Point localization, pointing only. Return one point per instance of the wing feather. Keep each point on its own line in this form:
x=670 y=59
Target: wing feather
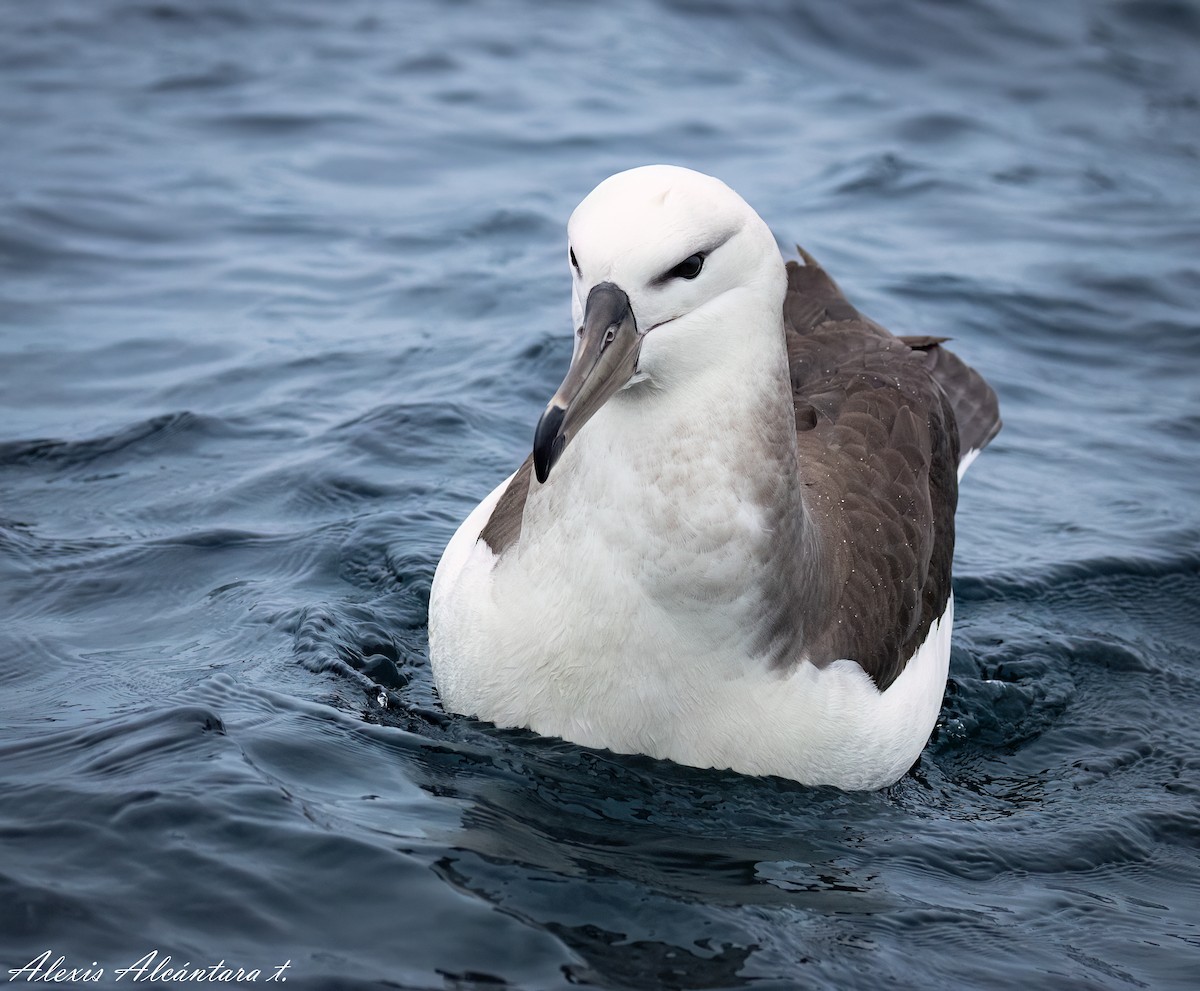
x=878 y=436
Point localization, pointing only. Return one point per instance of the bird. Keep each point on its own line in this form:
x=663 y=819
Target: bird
x=731 y=543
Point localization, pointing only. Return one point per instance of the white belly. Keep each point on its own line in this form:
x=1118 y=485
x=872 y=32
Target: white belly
x=563 y=640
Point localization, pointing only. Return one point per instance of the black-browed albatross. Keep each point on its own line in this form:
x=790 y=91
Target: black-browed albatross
x=731 y=544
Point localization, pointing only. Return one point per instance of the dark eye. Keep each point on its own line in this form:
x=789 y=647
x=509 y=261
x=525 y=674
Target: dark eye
x=689 y=268
x=574 y=263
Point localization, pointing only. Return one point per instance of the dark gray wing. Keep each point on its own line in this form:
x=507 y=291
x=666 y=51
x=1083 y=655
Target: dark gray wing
x=878 y=449
x=976 y=408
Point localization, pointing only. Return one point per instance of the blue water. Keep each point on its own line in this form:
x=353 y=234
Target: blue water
x=282 y=293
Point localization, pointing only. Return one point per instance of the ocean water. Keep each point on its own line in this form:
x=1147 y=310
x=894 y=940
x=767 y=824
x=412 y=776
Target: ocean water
x=282 y=294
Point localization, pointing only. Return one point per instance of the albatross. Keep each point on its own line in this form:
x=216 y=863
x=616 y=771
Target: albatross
x=730 y=546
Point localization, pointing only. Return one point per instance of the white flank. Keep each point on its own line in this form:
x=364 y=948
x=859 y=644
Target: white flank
x=964 y=462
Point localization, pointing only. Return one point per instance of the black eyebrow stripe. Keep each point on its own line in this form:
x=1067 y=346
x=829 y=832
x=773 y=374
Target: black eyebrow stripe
x=702 y=252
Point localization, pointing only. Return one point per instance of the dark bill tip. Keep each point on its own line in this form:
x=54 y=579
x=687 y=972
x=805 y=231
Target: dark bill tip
x=548 y=441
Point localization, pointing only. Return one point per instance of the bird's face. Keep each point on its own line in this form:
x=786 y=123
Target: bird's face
x=659 y=258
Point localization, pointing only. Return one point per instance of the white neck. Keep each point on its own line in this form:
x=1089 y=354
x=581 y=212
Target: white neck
x=667 y=487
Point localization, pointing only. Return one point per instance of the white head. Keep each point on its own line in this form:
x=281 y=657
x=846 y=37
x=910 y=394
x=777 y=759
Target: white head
x=673 y=275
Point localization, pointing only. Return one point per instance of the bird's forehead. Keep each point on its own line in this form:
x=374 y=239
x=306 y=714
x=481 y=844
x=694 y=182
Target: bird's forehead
x=649 y=215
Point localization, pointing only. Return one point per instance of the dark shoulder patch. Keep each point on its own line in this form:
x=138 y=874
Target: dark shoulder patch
x=503 y=529
x=812 y=296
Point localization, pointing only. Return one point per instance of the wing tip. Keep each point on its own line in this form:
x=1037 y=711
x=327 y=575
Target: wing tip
x=809 y=260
